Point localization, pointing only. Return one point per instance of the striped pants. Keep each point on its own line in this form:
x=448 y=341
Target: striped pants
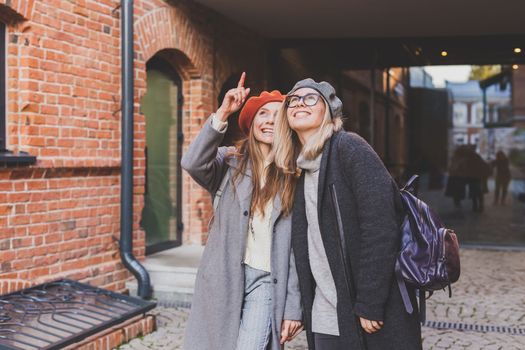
x=256 y=320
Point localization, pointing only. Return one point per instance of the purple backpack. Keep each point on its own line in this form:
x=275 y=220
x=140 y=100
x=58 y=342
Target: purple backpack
x=429 y=255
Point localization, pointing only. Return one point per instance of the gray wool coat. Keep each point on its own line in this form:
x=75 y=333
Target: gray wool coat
x=371 y=213
x=219 y=289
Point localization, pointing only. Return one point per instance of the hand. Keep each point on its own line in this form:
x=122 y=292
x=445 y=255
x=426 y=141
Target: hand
x=290 y=329
x=233 y=100
x=370 y=326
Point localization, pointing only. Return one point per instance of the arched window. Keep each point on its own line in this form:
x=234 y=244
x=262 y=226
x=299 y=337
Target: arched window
x=162 y=108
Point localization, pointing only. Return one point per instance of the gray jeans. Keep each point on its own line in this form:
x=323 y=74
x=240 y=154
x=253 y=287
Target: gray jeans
x=326 y=342
x=256 y=318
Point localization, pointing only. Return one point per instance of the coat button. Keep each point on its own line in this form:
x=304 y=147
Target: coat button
x=245 y=213
x=275 y=280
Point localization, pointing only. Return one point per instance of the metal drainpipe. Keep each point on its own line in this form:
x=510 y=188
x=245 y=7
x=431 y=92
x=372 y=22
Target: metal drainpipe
x=126 y=189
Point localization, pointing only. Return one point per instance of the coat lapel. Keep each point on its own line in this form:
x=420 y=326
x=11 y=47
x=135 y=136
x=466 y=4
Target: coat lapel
x=243 y=190
x=300 y=249
x=243 y=184
x=276 y=211
x=322 y=176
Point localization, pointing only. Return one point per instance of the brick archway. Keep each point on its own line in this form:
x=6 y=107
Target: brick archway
x=166 y=28
x=17 y=10
x=169 y=32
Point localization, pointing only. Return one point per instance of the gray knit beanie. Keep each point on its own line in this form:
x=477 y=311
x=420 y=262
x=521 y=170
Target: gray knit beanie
x=326 y=90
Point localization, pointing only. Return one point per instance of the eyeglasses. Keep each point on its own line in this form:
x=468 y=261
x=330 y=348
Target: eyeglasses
x=309 y=100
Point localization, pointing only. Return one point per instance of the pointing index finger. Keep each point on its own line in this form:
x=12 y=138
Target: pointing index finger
x=241 y=80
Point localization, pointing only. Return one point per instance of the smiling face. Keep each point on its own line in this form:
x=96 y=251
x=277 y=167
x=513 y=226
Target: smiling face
x=303 y=118
x=263 y=122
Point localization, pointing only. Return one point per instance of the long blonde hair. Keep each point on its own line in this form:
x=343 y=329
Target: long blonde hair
x=287 y=146
x=276 y=183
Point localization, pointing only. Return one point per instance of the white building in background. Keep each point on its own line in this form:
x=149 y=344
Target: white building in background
x=419 y=77
x=467 y=116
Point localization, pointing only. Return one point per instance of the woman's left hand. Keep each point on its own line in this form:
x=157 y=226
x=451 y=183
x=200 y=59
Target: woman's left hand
x=290 y=329
x=370 y=326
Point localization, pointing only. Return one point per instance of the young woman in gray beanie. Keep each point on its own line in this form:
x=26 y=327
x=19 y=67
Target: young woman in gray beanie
x=345 y=228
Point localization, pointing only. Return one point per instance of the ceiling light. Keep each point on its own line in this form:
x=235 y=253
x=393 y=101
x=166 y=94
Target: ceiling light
x=517 y=50
x=444 y=53
x=514 y=66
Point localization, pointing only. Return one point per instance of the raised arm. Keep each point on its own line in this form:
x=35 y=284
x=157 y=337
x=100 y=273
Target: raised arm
x=204 y=160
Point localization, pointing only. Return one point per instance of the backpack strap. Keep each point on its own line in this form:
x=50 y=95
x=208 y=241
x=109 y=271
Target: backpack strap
x=421 y=294
x=411 y=183
x=403 y=289
x=220 y=191
x=422 y=305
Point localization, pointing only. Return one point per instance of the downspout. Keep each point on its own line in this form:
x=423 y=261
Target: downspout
x=126 y=189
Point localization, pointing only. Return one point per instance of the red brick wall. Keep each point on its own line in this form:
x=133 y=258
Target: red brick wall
x=60 y=217
x=115 y=336
x=15 y=10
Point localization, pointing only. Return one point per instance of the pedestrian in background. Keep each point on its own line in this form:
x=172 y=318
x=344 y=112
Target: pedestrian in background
x=457 y=181
x=477 y=172
x=503 y=177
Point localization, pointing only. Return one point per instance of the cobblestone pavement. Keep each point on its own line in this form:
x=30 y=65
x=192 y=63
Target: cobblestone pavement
x=490 y=292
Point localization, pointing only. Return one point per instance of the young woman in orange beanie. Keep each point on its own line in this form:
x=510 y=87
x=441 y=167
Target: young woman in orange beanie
x=246 y=292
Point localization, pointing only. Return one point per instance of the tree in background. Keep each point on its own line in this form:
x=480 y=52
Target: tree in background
x=484 y=72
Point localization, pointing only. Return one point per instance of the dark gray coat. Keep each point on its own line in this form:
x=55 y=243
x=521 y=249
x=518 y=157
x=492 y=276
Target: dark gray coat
x=368 y=201
x=217 y=302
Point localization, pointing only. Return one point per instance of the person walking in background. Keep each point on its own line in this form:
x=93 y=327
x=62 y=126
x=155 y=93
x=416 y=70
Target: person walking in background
x=344 y=194
x=503 y=177
x=246 y=291
x=477 y=172
x=457 y=181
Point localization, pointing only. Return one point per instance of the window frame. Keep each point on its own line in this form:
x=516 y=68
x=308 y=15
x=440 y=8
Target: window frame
x=459 y=114
x=7 y=157
x=3 y=87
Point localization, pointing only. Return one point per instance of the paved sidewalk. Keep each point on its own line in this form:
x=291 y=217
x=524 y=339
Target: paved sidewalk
x=498 y=224
x=489 y=293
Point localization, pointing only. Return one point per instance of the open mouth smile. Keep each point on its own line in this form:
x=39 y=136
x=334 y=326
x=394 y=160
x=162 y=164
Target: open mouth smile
x=301 y=114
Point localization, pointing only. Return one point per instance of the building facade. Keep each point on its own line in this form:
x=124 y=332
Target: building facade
x=61 y=132
x=468 y=114
x=60 y=174
x=381 y=120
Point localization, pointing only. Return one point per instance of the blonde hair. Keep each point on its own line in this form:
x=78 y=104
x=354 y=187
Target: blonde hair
x=287 y=146
x=275 y=182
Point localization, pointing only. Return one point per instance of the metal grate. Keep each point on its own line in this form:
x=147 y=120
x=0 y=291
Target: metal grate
x=54 y=315
x=474 y=327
